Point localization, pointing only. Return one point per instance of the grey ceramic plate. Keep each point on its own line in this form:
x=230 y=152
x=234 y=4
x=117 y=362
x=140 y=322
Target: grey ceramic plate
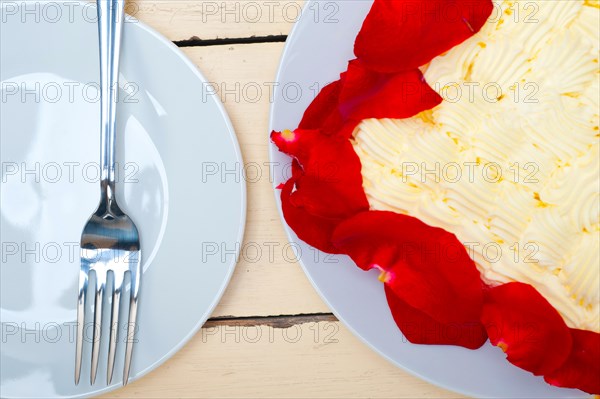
x=173 y=140
x=317 y=51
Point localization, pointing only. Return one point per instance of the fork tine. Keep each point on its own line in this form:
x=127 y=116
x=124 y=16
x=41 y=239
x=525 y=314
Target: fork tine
x=100 y=287
x=83 y=284
x=133 y=302
x=114 y=324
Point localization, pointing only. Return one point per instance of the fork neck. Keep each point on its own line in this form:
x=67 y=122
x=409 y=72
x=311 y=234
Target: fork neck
x=110 y=27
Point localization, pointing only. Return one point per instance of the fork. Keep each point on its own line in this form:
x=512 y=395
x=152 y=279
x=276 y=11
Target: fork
x=110 y=242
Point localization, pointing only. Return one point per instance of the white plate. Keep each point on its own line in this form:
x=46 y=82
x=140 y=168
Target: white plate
x=316 y=52
x=176 y=141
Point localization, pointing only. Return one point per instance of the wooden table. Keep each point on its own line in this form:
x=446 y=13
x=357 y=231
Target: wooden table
x=271 y=335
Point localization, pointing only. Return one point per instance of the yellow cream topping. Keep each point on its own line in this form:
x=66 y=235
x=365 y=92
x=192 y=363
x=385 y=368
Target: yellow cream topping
x=509 y=162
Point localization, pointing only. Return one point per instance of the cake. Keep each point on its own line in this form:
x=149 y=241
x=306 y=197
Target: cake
x=509 y=162
x=466 y=149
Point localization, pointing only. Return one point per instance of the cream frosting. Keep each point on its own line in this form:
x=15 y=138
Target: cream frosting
x=509 y=162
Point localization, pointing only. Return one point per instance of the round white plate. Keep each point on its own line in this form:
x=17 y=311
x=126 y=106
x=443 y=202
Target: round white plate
x=316 y=52
x=174 y=141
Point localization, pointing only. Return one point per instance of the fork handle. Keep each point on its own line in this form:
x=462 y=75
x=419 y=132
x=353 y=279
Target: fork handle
x=110 y=28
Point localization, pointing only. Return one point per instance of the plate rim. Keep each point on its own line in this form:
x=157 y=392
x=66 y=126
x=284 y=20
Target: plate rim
x=243 y=199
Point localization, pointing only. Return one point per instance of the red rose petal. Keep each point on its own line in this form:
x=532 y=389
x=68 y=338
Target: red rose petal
x=581 y=370
x=368 y=94
x=405 y=34
x=322 y=114
x=420 y=328
x=326 y=186
x=426 y=267
x=522 y=322
x=362 y=93
x=314 y=230
x=330 y=184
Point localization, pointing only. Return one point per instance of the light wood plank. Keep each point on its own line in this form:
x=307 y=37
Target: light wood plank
x=267 y=280
x=206 y=19
x=310 y=360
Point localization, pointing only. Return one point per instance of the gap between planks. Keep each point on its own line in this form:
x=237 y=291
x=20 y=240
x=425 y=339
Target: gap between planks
x=282 y=321
x=195 y=41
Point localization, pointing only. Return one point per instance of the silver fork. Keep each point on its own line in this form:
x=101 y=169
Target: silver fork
x=110 y=241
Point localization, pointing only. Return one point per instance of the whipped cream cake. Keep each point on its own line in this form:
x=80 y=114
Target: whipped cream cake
x=509 y=161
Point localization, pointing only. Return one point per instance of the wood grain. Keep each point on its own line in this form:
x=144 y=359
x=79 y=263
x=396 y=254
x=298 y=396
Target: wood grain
x=311 y=360
x=206 y=19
